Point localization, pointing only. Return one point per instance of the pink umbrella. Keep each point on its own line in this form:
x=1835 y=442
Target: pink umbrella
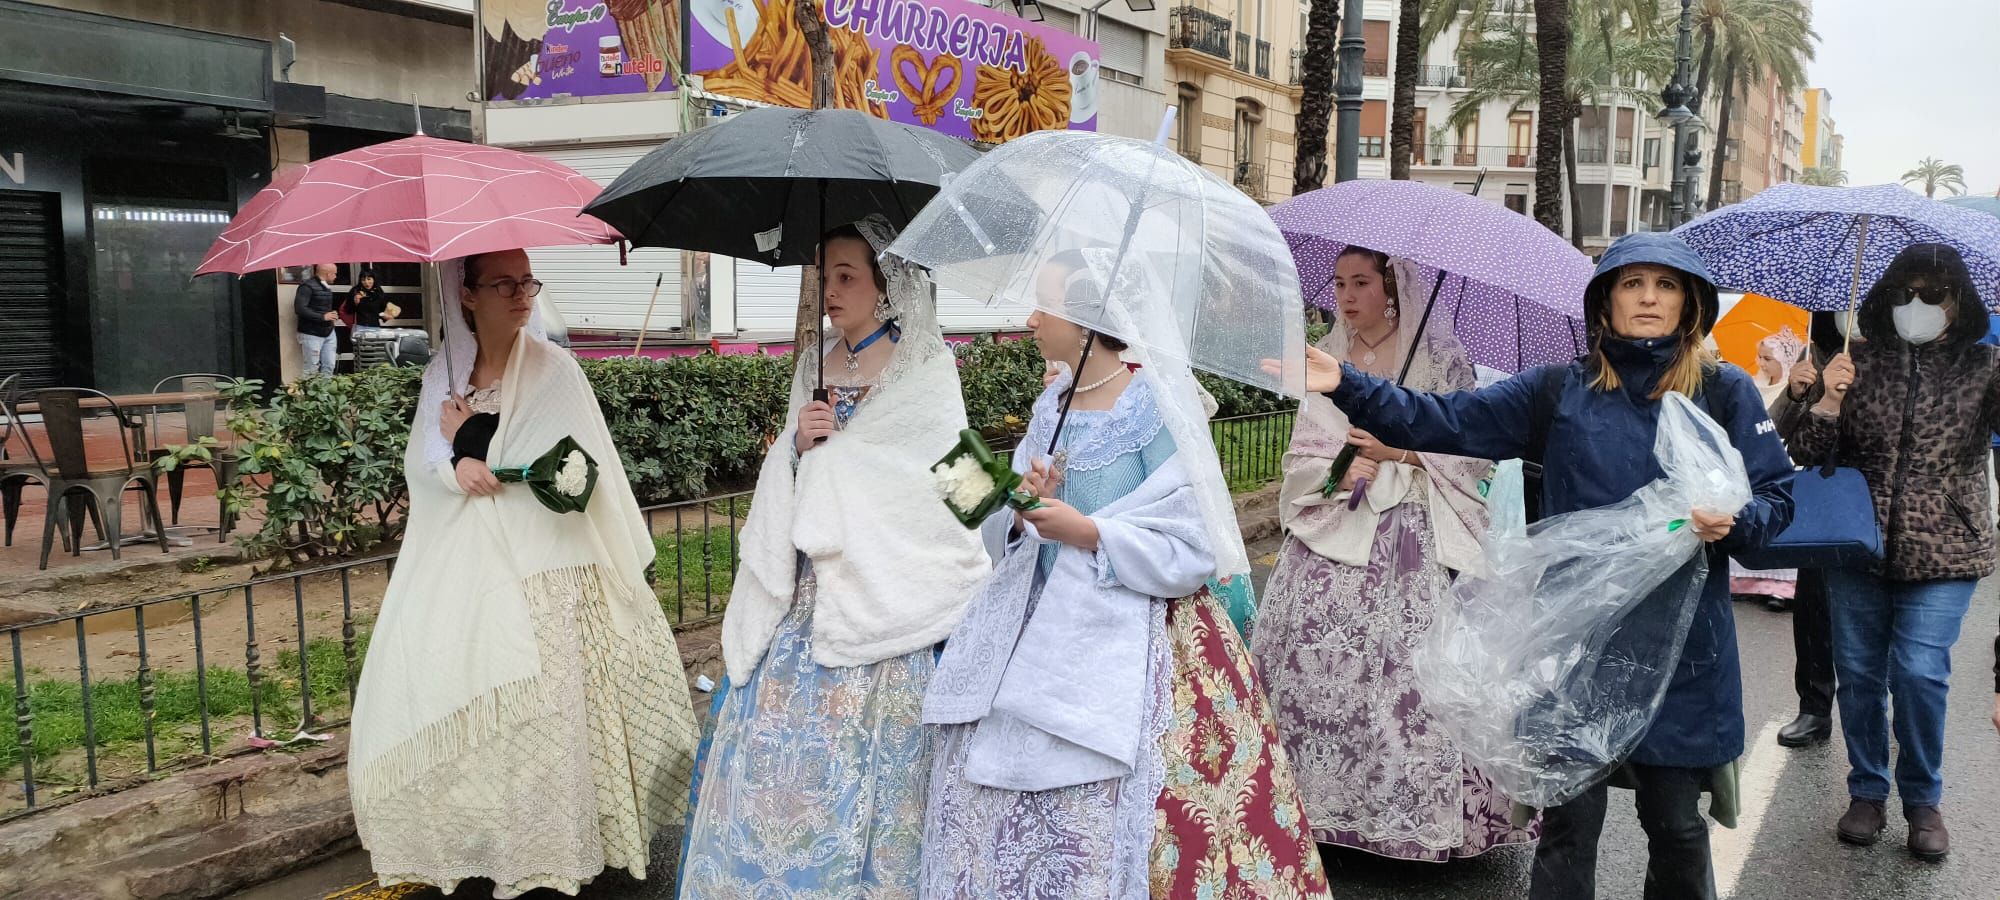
x=418 y=199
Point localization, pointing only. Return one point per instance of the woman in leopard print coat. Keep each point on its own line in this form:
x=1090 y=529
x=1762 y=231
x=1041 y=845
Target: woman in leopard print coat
x=1913 y=409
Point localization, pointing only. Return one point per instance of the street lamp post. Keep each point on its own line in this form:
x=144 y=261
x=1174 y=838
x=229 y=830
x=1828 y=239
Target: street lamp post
x=1677 y=116
x=1347 y=94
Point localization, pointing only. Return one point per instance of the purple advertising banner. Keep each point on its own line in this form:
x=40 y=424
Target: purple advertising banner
x=541 y=49
x=949 y=65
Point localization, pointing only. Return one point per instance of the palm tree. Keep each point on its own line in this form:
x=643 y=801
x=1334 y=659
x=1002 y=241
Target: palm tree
x=1316 y=97
x=1823 y=176
x=1403 y=102
x=1936 y=173
x=1607 y=22
x=1506 y=63
x=1757 y=38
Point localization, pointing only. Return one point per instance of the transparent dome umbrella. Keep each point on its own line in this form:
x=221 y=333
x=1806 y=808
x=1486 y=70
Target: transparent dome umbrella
x=1179 y=264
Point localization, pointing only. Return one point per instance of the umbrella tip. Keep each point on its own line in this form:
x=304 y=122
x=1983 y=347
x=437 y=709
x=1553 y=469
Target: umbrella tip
x=417 y=109
x=1166 y=126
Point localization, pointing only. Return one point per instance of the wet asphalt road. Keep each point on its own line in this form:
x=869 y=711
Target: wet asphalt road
x=1784 y=847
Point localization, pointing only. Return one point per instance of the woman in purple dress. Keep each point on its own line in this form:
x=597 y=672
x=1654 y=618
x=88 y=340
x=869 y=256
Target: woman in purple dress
x=1353 y=593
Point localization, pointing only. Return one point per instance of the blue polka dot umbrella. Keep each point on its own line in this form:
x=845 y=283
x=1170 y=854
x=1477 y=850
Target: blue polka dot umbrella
x=1821 y=248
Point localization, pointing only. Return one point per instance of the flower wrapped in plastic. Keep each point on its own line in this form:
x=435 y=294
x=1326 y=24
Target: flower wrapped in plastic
x=1540 y=671
x=562 y=479
x=974 y=481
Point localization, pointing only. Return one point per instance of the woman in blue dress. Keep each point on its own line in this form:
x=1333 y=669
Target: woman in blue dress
x=813 y=781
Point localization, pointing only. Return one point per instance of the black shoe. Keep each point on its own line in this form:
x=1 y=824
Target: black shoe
x=1805 y=731
x=1929 y=841
x=1778 y=605
x=1863 y=824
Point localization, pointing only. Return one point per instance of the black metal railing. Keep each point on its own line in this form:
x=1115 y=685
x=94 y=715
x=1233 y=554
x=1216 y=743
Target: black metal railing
x=1298 y=67
x=1264 y=59
x=1242 y=51
x=1194 y=28
x=1440 y=77
x=107 y=697
x=1484 y=156
x=1590 y=156
x=1374 y=68
x=1250 y=179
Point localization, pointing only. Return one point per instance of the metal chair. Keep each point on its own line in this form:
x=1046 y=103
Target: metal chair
x=199 y=417
x=16 y=471
x=70 y=473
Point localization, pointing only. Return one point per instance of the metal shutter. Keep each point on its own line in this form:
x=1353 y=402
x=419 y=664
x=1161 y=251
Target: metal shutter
x=30 y=282
x=593 y=292
x=767 y=299
x=1122 y=47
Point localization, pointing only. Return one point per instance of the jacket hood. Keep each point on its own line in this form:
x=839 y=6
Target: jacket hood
x=1653 y=248
x=1941 y=266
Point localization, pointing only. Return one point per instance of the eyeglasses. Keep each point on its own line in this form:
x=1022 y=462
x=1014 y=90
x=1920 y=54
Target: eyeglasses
x=508 y=287
x=1933 y=295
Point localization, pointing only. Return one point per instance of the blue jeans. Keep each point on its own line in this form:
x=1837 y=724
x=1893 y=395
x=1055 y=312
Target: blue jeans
x=1893 y=639
x=320 y=353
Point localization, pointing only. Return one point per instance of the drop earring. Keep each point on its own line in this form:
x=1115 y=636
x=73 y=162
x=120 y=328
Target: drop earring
x=884 y=312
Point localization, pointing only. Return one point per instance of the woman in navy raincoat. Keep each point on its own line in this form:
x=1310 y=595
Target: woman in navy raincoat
x=1649 y=310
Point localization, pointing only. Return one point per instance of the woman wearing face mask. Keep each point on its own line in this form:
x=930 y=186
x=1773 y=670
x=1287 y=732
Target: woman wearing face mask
x=1648 y=310
x=1913 y=409
x=1354 y=591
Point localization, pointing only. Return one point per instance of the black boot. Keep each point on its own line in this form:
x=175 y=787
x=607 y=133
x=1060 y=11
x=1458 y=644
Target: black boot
x=1805 y=731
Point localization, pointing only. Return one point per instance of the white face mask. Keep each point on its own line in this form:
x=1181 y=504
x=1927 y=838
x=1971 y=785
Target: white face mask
x=1919 y=322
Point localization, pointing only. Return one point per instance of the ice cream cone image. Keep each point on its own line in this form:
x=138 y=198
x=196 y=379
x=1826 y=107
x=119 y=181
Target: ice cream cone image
x=648 y=29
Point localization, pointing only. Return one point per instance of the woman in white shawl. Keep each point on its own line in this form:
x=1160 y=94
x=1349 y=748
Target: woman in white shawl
x=1354 y=590
x=1105 y=735
x=523 y=716
x=813 y=782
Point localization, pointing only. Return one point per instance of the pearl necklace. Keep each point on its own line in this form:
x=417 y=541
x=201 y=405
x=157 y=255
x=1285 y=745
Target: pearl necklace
x=1100 y=382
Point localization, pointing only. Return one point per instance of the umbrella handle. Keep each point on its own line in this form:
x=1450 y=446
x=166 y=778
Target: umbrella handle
x=1360 y=491
x=820 y=395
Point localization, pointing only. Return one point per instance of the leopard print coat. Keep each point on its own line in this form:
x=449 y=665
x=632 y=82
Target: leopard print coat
x=1918 y=423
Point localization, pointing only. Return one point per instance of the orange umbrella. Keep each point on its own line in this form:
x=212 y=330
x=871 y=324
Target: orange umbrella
x=1755 y=318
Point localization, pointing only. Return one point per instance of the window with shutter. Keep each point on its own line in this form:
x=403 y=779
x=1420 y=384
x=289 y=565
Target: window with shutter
x=1124 y=51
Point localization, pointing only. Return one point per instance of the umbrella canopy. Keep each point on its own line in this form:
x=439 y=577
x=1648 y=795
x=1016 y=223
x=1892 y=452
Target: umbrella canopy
x=1821 y=248
x=1987 y=205
x=766 y=184
x=418 y=199
x=1754 y=318
x=1188 y=267
x=1513 y=289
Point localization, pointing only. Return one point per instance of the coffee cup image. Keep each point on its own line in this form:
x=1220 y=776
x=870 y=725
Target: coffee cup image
x=1082 y=88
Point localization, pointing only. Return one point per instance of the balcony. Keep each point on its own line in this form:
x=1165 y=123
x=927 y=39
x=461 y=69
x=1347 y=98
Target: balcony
x=1197 y=29
x=1440 y=77
x=1243 y=51
x=1486 y=157
x=1374 y=68
x=1264 y=60
x=1298 y=67
x=1250 y=179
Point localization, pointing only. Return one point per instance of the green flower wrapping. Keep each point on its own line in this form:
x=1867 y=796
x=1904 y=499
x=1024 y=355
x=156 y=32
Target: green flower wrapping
x=562 y=479
x=974 y=482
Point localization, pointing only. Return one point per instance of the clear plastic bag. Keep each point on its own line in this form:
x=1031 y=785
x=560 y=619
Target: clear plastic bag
x=1547 y=671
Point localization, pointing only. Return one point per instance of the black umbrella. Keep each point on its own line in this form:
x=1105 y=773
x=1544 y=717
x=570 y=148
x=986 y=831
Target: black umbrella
x=765 y=185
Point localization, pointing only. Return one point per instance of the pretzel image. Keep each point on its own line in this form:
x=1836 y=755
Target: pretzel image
x=775 y=67
x=1017 y=103
x=930 y=90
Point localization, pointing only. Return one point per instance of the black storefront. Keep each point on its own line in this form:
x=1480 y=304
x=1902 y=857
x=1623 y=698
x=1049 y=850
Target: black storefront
x=125 y=147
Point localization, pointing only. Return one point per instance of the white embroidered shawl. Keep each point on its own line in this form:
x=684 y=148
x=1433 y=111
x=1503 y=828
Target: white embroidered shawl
x=894 y=567
x=454 y=658
x=1059 y=696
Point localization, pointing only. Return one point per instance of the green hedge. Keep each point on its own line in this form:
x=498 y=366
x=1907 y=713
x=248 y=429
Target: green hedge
x=327 y=452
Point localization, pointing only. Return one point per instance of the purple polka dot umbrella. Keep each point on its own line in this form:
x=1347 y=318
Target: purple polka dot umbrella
x=1513 y=289
x=1820 y=248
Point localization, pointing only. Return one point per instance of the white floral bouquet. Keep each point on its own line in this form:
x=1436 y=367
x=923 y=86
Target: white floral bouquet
x=974 y=481
x=562 y=479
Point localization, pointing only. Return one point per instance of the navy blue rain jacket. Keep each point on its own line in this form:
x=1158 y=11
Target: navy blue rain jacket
x=1600 y=450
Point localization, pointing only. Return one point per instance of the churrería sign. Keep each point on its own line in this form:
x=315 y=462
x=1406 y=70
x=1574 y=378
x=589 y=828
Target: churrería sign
x=542 y=49
x=961 y=69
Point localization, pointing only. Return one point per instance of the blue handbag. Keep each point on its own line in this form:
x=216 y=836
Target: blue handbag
x=1833 y=523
